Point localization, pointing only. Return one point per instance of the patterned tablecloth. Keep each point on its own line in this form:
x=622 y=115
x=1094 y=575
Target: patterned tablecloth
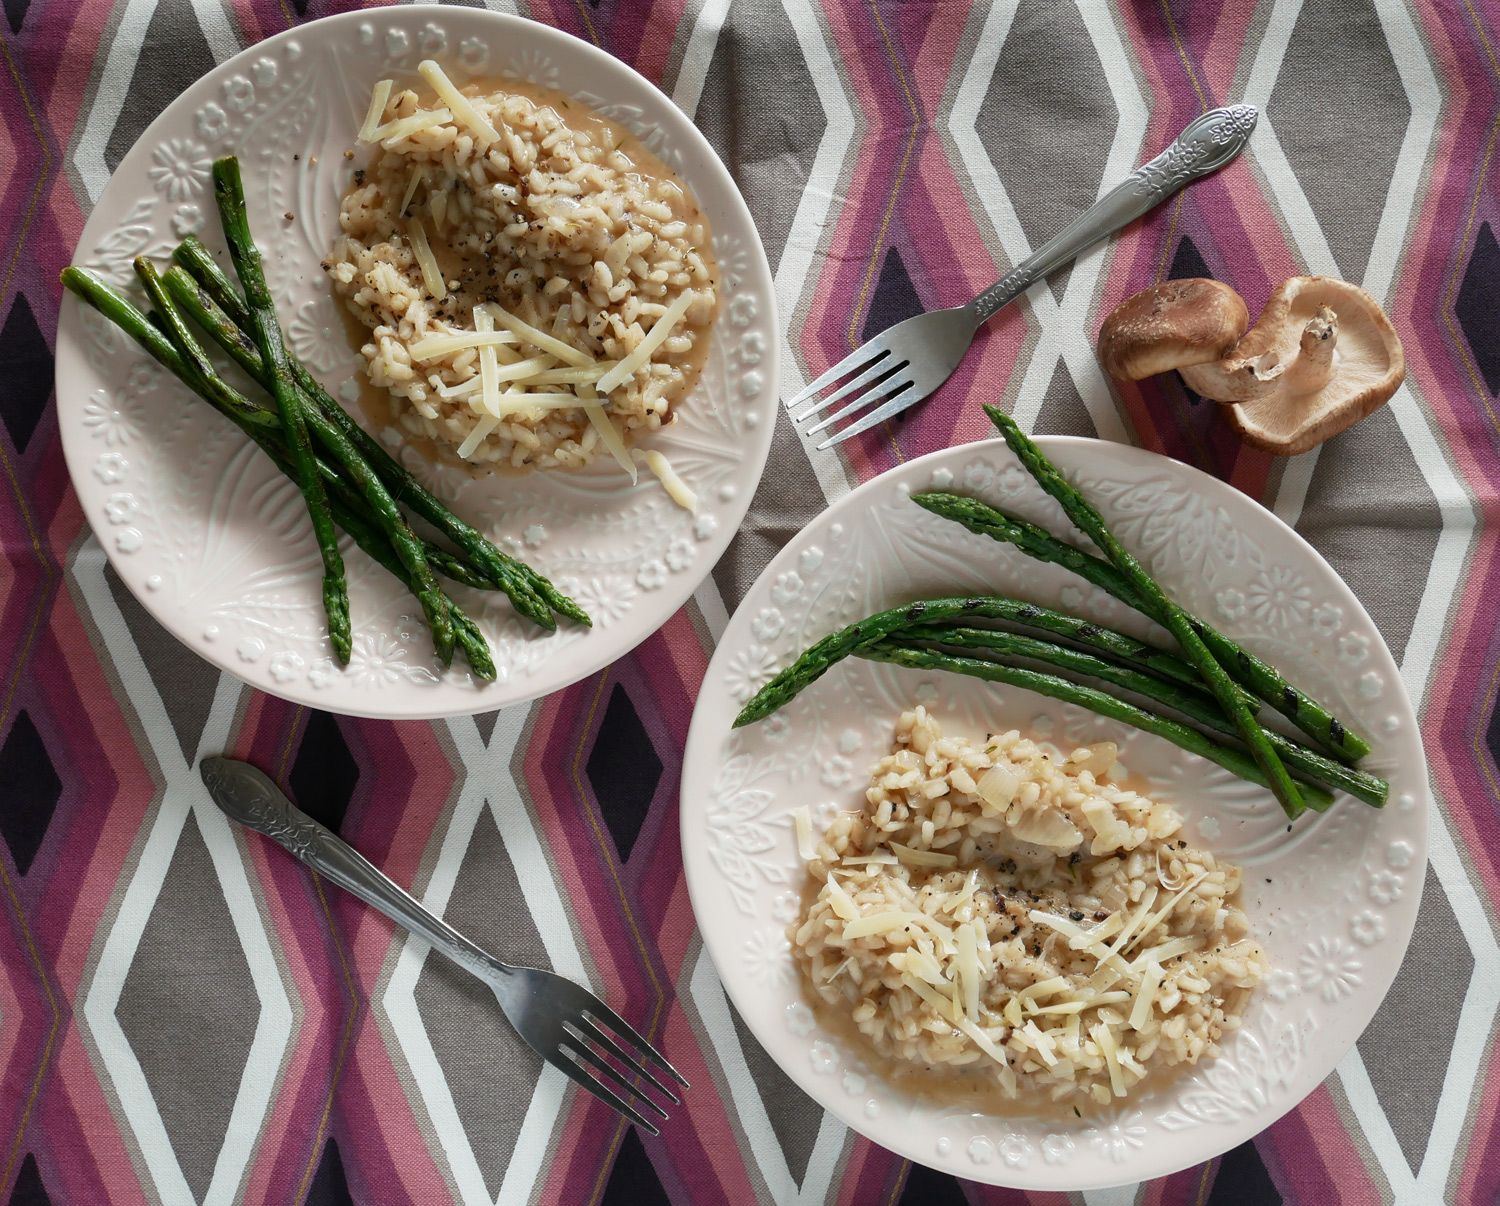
x=186 y=1015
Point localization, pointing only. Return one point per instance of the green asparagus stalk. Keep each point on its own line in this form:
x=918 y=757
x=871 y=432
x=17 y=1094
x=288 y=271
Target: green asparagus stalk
x=821 y=655
x=94 y=291
x=194 y=300
x=229 y=327
x=388 y=516
x=1191 y=702
x=1263 y=680
x=466 y=633
x=262 y=426
x=1088 y=520
x=230 y=194
x=1181 y=735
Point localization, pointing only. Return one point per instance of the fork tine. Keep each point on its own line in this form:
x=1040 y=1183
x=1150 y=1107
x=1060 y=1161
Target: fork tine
x=882 y=364
x=851 y=363
x=588 y=1029
x=896 y=381
x=593 y=1062
x=604 y=1014
x=575 y=1073
x=898 y=401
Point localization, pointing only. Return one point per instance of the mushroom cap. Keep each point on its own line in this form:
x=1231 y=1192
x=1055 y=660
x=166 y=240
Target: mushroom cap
x=1369 y=367
x=1171 y=325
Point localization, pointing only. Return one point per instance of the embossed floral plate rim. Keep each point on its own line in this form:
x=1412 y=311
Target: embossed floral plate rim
x=240 y=588
x=1341 y=892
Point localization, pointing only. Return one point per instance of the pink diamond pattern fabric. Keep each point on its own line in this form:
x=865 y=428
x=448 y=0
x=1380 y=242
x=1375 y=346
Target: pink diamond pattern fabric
x=187 y=1016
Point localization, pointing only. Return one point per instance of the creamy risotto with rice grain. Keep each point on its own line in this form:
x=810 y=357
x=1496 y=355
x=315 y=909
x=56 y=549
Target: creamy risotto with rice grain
x=1000 y=925
x=537 y=286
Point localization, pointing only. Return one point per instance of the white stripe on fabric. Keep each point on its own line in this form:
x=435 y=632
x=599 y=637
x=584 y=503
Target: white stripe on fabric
x=99 y=998
x=765 y=1148
x=488 y=784
x=109 y=98
x=794 y=272
x=699 y=54
x=1063 y=327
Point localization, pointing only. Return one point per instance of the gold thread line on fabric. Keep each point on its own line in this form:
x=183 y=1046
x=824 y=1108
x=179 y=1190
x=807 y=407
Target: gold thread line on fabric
x=338 y=1064
x=1202 y=1195
x=587 y=24
x=1182 y=416
x=588 y=723
x=42 y=177
x=338 y=946
x=1166 y=249
x=45 y=1062
x=291 y=739
x=1187 y=66
x=43 y=595
x=899 y=1184
x=36 y=544
x=610 y=860
x=911 y=142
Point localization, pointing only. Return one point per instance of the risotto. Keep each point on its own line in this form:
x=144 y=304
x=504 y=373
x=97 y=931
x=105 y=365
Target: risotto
x=536 y=285
x=1007 y=924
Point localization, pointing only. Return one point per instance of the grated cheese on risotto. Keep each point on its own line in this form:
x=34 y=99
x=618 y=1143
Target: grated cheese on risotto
x=1022 y=925
x=507 y=260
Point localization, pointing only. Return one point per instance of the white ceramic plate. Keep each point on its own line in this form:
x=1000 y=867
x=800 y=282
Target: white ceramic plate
x=1333 y=901
x=216 y=544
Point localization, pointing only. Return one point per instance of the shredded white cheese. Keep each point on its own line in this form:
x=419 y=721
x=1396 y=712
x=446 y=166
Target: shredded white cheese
x=435 y=347
x=1044 y=988
x=655 y=337
x=404 y=127
x=521 y=370
x=841 y=902
x=1105 y=929
x=1102 y=1035
x=807 y=849
x=1041 y=1042
x=467 y=115
x=518 y=399
x=923 y=858
x=968 y=969
x=432 y=275
x=877 y=923
x=1079 y=1005
x=681 y=493
x=1165 y=911
x=586 y=375
x=876 y=857
x=1167 y=950
x=541 y=340
x=1148 y=898
x=482 y=428
x=1145 y=995
x=417 y=176
x=378 y=100
x=609 y=435
x=488 y=368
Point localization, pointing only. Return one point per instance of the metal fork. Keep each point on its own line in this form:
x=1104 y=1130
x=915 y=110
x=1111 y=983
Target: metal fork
x=561 y=1021
x=902 y=365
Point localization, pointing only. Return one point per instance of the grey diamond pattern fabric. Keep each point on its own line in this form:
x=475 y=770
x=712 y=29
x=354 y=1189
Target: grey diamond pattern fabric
x=186 y=1016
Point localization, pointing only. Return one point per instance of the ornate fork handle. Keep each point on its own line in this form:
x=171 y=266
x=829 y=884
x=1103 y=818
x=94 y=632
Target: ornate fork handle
x=250 y=797
x=1207 y=144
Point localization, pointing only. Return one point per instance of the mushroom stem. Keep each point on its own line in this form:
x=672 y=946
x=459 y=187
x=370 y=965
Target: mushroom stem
x=1231 y=380
x=1319 y=354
